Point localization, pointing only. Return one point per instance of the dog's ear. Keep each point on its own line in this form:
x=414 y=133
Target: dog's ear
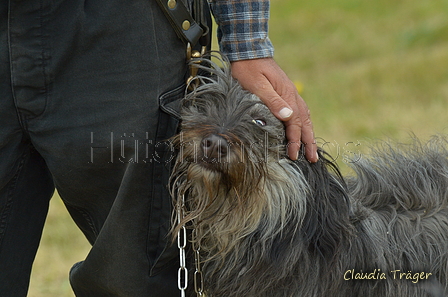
x=327 y=225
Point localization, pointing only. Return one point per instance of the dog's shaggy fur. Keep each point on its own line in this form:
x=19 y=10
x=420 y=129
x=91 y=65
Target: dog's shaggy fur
x=269 y=226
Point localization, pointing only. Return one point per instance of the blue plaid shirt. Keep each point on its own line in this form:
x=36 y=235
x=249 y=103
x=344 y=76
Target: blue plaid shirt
x=243 y=28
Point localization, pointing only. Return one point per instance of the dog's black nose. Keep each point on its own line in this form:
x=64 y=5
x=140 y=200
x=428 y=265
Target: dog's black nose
x=214 y=147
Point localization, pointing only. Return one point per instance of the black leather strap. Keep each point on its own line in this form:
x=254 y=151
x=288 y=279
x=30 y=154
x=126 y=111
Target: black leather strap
x=201 y=13
x=183 y=23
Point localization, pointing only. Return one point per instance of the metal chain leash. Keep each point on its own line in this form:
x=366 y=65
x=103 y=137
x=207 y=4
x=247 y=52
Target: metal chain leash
x=198 y=276
x=182 y=273
x=182 y=283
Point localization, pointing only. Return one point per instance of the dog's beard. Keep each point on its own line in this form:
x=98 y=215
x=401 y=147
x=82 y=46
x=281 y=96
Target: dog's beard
x=230 y=198
x=218 y=187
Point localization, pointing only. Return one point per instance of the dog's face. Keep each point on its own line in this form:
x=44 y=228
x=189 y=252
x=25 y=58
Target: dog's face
x=224 y=126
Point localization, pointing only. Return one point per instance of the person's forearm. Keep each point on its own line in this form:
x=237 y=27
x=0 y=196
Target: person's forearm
x=243 y=28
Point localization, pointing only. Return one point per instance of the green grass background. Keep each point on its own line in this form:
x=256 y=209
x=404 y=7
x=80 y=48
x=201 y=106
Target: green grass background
x=367 y=69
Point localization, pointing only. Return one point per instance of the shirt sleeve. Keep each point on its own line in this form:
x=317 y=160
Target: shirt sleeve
x=243 y=28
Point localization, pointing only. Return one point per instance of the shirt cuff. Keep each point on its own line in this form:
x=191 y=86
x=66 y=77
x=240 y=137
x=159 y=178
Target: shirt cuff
x=243 y=28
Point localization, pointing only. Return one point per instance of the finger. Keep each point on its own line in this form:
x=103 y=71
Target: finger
x=308 y=139
x=307 y=131
x=293 y=134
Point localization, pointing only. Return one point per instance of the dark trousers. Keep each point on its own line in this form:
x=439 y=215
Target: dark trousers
x=81 y=85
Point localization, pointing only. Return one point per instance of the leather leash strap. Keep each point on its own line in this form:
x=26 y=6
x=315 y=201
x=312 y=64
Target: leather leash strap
x=186 y=27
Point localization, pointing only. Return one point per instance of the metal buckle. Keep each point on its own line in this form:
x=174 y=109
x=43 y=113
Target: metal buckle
x=193 y=59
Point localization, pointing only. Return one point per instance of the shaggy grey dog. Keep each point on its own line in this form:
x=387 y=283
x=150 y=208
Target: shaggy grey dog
x=269 y=226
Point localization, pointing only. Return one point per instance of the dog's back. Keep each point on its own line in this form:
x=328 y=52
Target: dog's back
x=400 y=197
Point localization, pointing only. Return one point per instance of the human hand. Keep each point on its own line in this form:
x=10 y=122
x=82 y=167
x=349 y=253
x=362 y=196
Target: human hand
x=264 y=78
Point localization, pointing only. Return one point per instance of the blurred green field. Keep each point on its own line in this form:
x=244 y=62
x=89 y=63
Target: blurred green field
x=369 y=70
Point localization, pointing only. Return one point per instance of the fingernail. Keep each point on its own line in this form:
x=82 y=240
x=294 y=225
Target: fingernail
x=285 y=113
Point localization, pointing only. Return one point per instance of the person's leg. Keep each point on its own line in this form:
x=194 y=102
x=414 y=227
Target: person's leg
x=24 y=198
x=98 y=125
x=26 y=185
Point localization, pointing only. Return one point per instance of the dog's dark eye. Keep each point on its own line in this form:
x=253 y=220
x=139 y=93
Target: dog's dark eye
x=259 y=122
